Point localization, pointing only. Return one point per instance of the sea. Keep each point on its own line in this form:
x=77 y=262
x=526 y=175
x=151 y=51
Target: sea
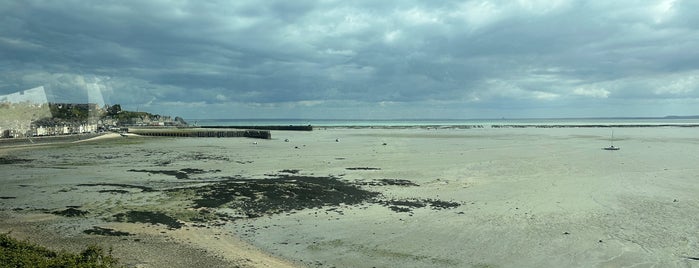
x=670 y=121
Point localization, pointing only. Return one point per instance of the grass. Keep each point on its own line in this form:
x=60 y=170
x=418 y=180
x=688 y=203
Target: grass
x=15 y=253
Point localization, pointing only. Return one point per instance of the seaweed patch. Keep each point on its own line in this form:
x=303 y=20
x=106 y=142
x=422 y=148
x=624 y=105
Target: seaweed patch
x=114 y=191
x=201 y=156
x=362 y=168
x=407 y=205
x=70 y=212
x=105 y=231
x=179 y=174
x=12 y=160
x=142 y=188
x=148 y=217
x=258 y=197
x=388 y=182
x=254 y=198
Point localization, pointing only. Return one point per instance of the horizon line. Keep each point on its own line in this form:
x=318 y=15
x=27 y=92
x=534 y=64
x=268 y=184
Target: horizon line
x=455 y=119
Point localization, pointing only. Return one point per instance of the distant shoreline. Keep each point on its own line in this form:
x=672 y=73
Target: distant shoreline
x=443 y=123
x=507 y=126
x=6 y=143
x=668 y=117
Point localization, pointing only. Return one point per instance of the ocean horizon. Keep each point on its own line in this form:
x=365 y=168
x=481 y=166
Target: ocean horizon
x=447 y=122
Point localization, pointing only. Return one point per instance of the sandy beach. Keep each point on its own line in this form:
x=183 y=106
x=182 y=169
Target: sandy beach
x=412 y=197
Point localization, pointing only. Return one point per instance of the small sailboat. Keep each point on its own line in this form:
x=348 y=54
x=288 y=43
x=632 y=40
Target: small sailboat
x=611 y=146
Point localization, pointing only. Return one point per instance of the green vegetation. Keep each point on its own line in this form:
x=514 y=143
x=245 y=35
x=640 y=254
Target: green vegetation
x=126 y=116
x=70 y=112
x=27 y=118
x=113 y=110
x=15 y=253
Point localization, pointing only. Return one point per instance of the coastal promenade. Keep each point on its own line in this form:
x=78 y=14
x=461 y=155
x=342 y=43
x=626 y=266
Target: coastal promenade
x=161 y=132
x=47 y=139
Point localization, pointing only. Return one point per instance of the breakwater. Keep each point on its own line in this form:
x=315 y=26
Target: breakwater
x=288 y=128
x=202 y=132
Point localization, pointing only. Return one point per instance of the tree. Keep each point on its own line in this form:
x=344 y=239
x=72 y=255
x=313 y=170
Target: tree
x=114 y=109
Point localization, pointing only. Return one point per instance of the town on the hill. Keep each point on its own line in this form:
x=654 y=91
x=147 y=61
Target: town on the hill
x=26 y=119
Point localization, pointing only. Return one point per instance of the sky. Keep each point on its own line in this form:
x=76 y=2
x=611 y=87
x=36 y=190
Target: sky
x=364 y=59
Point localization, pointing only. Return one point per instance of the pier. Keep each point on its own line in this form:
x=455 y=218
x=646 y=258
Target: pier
x=286 y=128
x=202 y=132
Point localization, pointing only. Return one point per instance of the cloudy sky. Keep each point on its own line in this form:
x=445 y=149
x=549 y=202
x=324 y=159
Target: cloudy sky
x=360 y=59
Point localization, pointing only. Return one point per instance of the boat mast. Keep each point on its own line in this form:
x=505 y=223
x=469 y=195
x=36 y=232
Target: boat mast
x=611 y=140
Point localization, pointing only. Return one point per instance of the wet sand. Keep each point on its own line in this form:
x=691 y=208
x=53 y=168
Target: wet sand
x=386 y=198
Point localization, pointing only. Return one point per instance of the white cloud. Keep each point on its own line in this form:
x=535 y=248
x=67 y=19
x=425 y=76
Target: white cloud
x=221 y=97
x=308 y=103
x=663 y=11
x=544 y=6
x=679 y=85
x=478 y=14
x=340 y=52
x=417 y=15
x=496 y=88
x=19 y=43
x=599 y=93
x=392 y=36
x=542 y=95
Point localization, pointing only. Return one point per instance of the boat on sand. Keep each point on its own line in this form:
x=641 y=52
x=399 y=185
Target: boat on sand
x=611 y=146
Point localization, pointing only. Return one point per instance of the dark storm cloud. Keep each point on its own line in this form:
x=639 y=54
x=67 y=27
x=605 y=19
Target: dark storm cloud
x=526 y=55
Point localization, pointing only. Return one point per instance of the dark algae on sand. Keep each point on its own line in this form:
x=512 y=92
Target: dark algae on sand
x=258 y=197
x=253 y=198
x=148 y=217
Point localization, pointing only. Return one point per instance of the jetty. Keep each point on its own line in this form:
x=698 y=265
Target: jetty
x=266 y=127
x=202 y=132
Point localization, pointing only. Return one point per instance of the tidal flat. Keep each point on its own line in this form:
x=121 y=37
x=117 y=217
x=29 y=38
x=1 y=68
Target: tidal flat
x=366 y=198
